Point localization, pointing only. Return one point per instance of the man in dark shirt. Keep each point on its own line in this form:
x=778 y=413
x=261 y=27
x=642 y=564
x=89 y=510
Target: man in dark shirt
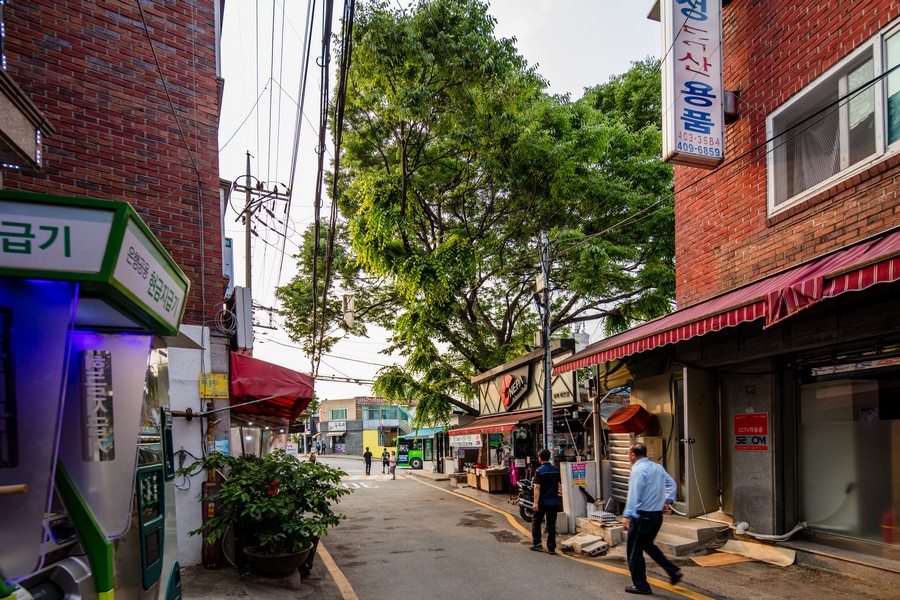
x=546 y=502
x=368 y=458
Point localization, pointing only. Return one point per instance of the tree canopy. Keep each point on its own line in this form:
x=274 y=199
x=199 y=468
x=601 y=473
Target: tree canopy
x=454 y=159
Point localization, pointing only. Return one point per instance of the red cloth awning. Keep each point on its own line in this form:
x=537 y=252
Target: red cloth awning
x=495 y=423
x=775 y=298
x=287 y=392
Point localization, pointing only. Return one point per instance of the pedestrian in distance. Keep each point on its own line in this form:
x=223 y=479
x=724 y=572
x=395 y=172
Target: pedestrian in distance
x=546 y=502
x=385 y=461
x=393 y=465
x=312 y=457
x=650 y=492
x=367 y=456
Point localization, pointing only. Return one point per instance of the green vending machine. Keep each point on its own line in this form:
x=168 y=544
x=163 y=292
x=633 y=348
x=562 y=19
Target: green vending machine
x=88 y=297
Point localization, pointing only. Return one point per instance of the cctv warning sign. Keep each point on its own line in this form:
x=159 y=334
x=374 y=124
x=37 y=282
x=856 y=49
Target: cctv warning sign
x=751 y=431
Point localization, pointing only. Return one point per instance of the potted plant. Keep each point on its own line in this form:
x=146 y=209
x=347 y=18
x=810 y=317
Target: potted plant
x=283 y=503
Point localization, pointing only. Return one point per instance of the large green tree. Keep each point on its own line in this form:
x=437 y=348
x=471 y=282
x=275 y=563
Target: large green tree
x=454 y=159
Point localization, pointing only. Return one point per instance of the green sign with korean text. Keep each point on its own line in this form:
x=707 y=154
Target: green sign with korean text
x=101 y=244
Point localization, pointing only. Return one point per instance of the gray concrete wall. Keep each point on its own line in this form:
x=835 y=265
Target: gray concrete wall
x=749 y=476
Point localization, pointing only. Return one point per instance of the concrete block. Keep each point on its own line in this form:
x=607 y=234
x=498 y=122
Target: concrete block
x=587 y=544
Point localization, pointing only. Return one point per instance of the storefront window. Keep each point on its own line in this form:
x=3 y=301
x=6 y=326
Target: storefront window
x=849 y=453
x=387 y=436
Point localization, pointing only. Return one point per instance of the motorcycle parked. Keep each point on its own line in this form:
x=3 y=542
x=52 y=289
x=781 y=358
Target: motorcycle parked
x=526 y=499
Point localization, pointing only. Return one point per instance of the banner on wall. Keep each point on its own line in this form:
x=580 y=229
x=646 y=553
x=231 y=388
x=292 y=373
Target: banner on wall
x=579 y=474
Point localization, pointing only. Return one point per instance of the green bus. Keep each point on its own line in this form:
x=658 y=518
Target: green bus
x=413 y=449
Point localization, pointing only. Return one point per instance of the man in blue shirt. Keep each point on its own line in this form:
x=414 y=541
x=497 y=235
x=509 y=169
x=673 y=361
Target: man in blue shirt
x=546 y=502
x=650 y=492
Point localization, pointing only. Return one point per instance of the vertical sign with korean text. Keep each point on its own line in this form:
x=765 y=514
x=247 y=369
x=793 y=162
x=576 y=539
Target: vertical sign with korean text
x=693 y=90
x=97 y=419
x=751 y=431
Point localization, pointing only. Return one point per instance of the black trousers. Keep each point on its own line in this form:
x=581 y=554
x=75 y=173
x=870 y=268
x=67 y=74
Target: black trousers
x=641 y=534
x=368 y=467
x=550 y=513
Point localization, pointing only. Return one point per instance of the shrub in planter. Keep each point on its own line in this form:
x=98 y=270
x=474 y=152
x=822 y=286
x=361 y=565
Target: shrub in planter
x=285 y=503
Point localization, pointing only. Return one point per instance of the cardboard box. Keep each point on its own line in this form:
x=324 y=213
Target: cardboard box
x=495 y=482
x=472 y=479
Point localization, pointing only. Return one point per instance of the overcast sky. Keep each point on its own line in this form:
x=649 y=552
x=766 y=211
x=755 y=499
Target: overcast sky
x=574 y=43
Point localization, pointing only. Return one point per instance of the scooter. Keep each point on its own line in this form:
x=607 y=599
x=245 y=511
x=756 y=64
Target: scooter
x=526 y=500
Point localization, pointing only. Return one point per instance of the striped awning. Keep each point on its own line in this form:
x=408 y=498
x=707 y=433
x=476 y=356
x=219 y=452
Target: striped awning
x=495 y=423
x=775 y=298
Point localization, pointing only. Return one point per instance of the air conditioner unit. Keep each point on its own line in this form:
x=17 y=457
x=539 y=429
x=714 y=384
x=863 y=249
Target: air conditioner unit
x=243 y=318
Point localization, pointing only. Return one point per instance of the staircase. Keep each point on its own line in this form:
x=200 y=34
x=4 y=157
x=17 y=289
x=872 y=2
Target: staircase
x=679 y=536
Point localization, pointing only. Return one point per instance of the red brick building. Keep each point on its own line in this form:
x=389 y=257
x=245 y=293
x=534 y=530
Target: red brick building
x=120 y=101
x=132 y=95
x=729 y=230
x=776 y=390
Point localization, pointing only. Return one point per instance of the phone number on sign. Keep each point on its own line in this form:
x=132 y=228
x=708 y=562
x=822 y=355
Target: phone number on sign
x=697 y=149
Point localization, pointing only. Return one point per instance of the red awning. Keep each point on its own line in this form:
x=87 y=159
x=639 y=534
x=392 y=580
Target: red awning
x=287 y=393
x=495 y=423
x=776 y=298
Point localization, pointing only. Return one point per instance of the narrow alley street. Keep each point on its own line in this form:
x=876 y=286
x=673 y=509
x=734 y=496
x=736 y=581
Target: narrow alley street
x=418 y=536
x=415 y=536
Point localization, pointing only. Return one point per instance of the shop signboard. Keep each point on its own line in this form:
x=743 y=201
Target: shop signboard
x=466 y=441
x=579 y=474
x=144 y=274
x=42 y=237
x=751 y=431
x=693 y=90
x=292 y=448
x=514 y=387
x=102 y=244
x=337 y=426
x=369 y=400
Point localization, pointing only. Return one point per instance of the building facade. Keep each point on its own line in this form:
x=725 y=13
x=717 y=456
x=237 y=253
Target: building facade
x=775 y=383
x=511 y=428
x=350 y=425
x=120 y=101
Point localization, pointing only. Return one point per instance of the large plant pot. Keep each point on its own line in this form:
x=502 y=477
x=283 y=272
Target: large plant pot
x=275 y=565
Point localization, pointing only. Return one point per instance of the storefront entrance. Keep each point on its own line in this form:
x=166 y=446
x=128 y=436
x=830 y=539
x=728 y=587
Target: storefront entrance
x=698 y=442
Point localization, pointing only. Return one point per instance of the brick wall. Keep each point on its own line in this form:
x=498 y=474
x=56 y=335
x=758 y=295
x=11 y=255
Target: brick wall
x=91 y=70
x=724 y=238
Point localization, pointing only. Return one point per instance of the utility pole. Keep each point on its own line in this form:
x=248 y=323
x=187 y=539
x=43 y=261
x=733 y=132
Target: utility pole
x=548 y=362
x=256 y=196
x=247 y=240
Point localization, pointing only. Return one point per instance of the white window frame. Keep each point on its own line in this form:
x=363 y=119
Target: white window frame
x=875 y=46
x=338 y=414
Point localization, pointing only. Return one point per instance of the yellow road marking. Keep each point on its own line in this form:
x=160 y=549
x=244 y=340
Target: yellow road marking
x=527 y=533
x=336 y=573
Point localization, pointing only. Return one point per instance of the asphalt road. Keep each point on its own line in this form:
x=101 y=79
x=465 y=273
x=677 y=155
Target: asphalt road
x=414 y=538
x=406 y=537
